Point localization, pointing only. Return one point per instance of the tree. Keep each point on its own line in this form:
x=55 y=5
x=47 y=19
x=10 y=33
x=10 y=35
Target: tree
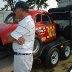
x=10 y=3
x=31 y=3
x=38 y=3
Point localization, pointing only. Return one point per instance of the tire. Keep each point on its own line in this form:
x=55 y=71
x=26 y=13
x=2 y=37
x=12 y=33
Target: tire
x=36 y=49
x=66 y=51
x=52 y=57
x=11 y=15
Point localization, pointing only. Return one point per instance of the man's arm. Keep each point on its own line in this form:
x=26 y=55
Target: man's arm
x=20 y=41
x=19 y=33
x=10 y=38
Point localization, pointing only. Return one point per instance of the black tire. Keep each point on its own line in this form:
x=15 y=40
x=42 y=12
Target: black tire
x=36 y=49
x=52 y=57
x=65 y=51
x=11 y=15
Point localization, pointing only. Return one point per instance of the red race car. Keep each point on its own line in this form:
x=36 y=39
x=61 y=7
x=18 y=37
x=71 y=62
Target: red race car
x=45 y=29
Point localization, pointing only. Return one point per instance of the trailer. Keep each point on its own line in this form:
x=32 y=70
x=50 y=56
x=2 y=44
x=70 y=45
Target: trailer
x=63 y=17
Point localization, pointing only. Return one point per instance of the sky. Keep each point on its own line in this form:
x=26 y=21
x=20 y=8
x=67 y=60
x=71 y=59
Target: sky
x=51 y=3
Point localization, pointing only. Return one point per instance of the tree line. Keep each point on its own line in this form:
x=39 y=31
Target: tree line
x=32 y=3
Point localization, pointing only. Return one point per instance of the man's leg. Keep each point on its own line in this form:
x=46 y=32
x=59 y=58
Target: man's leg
x=28 y=61
x=23 y=63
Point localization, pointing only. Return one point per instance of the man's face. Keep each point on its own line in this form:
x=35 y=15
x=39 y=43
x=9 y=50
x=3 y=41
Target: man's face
x=18 y=13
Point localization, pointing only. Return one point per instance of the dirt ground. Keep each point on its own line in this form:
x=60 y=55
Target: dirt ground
x=6 y=65
x=62 y=66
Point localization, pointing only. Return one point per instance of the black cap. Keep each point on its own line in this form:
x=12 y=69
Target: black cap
x=21 y=4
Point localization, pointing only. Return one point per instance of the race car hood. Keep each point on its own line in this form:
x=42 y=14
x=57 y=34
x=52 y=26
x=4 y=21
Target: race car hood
x=5 y=30
x=4 y=27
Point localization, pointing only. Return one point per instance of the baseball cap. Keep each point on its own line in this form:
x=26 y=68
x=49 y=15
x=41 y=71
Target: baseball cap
x=21 y=4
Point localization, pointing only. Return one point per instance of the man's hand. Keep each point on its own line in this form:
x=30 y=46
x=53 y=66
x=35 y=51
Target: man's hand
x=10 y=39
x=21 y=40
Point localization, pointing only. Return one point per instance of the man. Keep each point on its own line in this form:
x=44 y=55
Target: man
x=23 y=37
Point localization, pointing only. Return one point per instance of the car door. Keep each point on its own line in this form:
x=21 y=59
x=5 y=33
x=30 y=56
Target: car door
x=40 y=27
x=50 y=28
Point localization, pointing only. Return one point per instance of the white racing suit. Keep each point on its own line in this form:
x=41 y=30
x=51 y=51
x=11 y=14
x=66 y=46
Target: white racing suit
x=26 y=29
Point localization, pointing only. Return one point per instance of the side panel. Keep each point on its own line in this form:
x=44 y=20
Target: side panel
x=4 y=35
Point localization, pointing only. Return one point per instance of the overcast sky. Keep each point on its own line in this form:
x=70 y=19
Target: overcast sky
x=51 y=3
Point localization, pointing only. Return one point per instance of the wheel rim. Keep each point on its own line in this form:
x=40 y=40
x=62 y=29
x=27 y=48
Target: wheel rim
x=36 y=47
x=54 y=57
x=67 y=51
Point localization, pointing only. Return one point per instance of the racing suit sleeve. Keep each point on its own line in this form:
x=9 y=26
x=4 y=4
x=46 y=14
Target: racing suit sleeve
x=19 y=32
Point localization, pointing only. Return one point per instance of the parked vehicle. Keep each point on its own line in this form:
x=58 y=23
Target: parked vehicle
x=63 y=17
x=49 y=46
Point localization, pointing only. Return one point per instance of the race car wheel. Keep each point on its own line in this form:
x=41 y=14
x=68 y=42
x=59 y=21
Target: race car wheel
x=52 y=57
x=36 y=48
x=66 y=51
x=10 y=18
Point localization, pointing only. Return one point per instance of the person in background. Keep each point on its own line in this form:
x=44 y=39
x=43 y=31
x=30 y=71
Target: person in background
x=23 y=37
